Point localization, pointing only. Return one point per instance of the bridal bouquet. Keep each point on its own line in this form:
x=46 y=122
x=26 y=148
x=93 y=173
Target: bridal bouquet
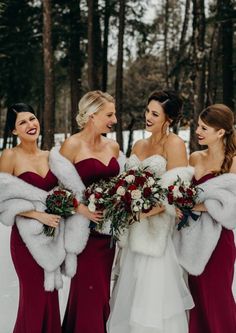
x=60 y=202
x=183 y=195
x=130 y=194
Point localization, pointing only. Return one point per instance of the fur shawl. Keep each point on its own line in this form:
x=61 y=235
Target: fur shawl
x=17 y=196
x=196 y=243
x=150 y=235
x=77 y=226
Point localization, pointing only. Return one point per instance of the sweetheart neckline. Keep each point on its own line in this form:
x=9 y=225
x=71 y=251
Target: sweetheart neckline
x=145 y=159
x=34 y=173
x=96 y=159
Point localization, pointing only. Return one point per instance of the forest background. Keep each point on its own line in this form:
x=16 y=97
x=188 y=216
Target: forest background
x=54 y=51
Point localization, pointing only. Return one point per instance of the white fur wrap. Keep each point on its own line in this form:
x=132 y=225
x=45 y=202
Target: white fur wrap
x=149 y=236
x=196 y=243
x=17 y=196
x=77 y=226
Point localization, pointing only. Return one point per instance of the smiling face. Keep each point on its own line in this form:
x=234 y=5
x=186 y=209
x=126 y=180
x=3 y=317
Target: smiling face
x=105 y=118
x=155 y=117
x=208 y=135
x=26 y=126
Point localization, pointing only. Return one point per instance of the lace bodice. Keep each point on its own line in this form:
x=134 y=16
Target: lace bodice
x=154 y=163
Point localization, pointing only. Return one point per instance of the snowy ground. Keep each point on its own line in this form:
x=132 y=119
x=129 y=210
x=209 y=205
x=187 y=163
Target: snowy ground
x=8 y=279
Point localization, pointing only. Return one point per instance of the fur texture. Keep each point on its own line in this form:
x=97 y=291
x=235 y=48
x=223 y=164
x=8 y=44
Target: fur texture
x=196 y=243
x=77 y=226
x=17 y=196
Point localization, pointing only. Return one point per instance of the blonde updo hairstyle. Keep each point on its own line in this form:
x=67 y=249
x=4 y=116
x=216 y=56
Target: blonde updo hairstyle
x=221 y=116
x=91 y=103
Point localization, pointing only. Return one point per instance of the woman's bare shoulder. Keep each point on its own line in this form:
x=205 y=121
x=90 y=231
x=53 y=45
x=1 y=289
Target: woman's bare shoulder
x=7 y=160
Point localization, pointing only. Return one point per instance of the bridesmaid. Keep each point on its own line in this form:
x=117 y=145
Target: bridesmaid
x=38 y=310
x=215 y=309
x=94 y=157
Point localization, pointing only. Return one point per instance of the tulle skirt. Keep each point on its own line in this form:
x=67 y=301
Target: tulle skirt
x=150 y=296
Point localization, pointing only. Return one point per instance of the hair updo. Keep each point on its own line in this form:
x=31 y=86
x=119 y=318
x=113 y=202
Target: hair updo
x=12 y=112
x=220 y=116
x=171 y=103
x=91 y=103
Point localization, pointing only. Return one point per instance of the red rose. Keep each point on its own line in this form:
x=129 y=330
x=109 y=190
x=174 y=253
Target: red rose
x=132 y=187
x=171 y=187
x=127 y=198
x=98 y=195
x=189 y=192
x=140 y=180
x=147 y=192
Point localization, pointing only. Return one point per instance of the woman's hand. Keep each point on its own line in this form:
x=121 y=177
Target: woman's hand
x=96 y=216
x=48 y=219
x=179 y=214
x=154 y=211
x=200 y=207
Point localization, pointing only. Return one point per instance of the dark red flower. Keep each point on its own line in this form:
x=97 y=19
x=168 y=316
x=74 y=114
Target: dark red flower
x=171 y=187
x=140 y=180
x=189 y=192
x=147 y=192
x=98 y=195
x=132 y=187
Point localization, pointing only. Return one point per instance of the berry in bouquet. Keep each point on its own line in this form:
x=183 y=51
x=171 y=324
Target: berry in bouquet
x=183 y=194
x=60 y=202
x=134 y=192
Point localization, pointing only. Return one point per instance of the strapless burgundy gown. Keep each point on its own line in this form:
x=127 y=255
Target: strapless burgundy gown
x=88 y=304
x=215 y=308
x=38 y=310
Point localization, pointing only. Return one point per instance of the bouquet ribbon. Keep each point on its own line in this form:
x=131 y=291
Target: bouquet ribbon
x=184 y=221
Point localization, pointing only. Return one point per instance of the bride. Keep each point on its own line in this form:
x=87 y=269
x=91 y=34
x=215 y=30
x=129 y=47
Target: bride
x=150 y=295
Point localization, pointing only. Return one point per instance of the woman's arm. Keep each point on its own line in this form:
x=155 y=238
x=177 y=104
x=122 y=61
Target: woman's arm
x=44 y=218
x=7 y=161
x=176 y=153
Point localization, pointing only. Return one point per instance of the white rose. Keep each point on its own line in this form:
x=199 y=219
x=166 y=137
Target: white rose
x=136 y=194
x=150 y=181
x=99 y=190
x=130 y=178
x=120 y=190
x=91 y=207
x=176 y=192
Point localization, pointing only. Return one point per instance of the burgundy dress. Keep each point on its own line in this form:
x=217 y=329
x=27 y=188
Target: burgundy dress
x=215 y=308
x=88 y=304
x=38 y=310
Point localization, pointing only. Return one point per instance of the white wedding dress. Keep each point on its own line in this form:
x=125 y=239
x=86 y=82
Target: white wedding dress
x=150 y=295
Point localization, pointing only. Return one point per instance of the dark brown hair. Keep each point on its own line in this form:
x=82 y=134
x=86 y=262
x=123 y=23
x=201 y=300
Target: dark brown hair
x=171 y=103
x=12 y=112
x=220 y=116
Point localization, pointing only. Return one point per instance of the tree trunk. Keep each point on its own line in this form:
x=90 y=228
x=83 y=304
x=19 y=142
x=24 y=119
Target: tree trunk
x=107 y=14
x=94 y=46
x=198 y=43
x=119 y=74
x=49 y=98
x=76 y=63
x=182 y=43
x=225 y=10
x=166 y=53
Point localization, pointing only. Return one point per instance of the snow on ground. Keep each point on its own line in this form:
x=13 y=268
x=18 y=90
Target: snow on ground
x=8 y=279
